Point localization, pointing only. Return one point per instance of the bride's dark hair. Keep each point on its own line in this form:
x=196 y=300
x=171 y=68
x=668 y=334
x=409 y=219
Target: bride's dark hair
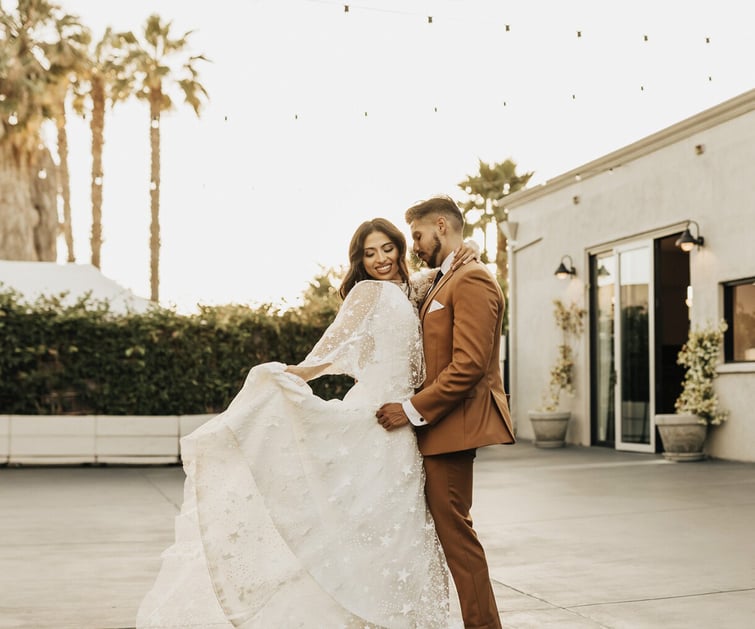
x=356 y=272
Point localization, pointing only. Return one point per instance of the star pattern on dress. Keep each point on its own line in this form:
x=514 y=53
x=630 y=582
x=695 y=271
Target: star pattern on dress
x=374 y=481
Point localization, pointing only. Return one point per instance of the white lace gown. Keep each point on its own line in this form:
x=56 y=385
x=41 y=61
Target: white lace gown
x=301 y=512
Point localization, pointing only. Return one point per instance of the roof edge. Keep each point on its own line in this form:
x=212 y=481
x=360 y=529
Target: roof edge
x=706 y=119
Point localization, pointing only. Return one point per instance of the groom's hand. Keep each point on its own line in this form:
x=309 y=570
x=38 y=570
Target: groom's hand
x=391 y=416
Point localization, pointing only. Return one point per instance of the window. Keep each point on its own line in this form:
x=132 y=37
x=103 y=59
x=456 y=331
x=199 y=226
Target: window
x=739 y=311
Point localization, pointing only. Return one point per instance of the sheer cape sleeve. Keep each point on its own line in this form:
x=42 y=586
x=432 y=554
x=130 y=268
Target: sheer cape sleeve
x=375 y=336
x=346 y=345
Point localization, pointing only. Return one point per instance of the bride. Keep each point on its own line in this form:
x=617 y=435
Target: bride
x=302 y=512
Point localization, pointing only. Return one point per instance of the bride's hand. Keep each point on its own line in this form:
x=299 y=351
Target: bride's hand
x=466 y=252
x=306 y=373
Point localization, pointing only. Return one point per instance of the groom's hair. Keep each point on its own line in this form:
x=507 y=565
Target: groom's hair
x=440 y=205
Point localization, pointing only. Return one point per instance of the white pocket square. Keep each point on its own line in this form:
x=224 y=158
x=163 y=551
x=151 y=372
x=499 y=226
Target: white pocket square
x=435 y=305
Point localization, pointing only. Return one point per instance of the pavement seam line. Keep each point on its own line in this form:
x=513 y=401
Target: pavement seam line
x=664 y=598
x=550 y=605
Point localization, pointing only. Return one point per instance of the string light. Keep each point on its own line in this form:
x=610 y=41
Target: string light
x=430 y=19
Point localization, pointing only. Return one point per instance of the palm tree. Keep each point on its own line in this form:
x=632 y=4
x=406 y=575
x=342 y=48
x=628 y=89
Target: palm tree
x=486 y=191
x=28 y=194
x=151 y=59
x=69 y=58
x=108 y=82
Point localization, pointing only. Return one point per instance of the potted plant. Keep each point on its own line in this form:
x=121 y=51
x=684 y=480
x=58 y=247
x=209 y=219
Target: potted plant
x=549 y=423
x=683 y=434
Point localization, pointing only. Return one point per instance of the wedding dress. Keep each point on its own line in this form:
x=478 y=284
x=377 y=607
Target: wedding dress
x=302 y=512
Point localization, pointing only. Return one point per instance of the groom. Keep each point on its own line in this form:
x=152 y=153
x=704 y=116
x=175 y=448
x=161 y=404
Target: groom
x=462 y=405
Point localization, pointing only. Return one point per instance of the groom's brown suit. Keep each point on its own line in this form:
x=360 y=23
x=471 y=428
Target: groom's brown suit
x=465 y=406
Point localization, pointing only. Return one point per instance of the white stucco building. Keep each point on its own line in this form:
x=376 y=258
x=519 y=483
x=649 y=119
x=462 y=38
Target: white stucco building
x=618 y=219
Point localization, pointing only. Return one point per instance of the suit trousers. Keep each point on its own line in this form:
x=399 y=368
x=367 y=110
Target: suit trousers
x=448 y=488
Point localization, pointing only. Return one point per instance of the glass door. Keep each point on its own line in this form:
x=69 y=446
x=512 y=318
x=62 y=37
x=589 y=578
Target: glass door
x=603 y=371
x=634 y=347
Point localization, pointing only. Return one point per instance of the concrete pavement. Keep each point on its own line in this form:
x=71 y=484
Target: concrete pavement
x=576 y=538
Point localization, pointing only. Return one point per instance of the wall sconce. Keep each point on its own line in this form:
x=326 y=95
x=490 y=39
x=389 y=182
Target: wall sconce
x=564 y=272
x=686 y=241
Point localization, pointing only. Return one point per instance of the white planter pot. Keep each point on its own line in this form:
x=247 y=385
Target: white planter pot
x=683 y=437
x=549 y=427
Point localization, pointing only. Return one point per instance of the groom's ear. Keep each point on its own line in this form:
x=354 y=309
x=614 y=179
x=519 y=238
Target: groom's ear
x=441 y=224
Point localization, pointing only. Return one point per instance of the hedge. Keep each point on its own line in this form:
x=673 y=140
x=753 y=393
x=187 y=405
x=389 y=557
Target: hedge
x=84 y=359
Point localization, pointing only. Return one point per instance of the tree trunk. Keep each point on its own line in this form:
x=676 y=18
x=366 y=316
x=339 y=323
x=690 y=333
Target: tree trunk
x=28 y=205
x=64 y=182
x=97 y=127
x=155 y=102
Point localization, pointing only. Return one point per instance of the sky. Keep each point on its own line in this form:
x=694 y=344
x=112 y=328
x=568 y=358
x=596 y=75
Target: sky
x=321 y=118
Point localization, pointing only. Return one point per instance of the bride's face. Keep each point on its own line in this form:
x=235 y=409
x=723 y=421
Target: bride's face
x=380 y=257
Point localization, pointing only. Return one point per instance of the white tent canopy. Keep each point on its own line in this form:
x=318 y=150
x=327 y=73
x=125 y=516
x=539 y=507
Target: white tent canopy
x=34 y=279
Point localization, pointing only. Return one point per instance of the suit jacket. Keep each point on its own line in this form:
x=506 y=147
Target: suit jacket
x=462 y=398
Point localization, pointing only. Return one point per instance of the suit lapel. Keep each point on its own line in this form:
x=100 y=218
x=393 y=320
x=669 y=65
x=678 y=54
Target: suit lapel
x=433 y=292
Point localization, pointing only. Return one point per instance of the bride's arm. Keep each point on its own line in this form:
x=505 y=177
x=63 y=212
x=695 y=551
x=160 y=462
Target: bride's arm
x=342 y=347
x=466 y=252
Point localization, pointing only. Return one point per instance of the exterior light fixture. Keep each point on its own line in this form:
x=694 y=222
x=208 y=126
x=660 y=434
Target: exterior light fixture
x=686 y=241
x=564 y=272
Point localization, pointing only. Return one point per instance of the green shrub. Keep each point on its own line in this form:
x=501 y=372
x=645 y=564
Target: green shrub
x=84 y=359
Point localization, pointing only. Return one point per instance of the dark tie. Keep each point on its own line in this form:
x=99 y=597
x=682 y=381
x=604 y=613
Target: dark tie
x=437 y=279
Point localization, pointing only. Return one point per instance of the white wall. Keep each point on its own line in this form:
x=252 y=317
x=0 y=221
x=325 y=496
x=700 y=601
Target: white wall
x=653 y=194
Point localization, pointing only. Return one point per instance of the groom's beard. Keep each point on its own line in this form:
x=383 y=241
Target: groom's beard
x=432 y=259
